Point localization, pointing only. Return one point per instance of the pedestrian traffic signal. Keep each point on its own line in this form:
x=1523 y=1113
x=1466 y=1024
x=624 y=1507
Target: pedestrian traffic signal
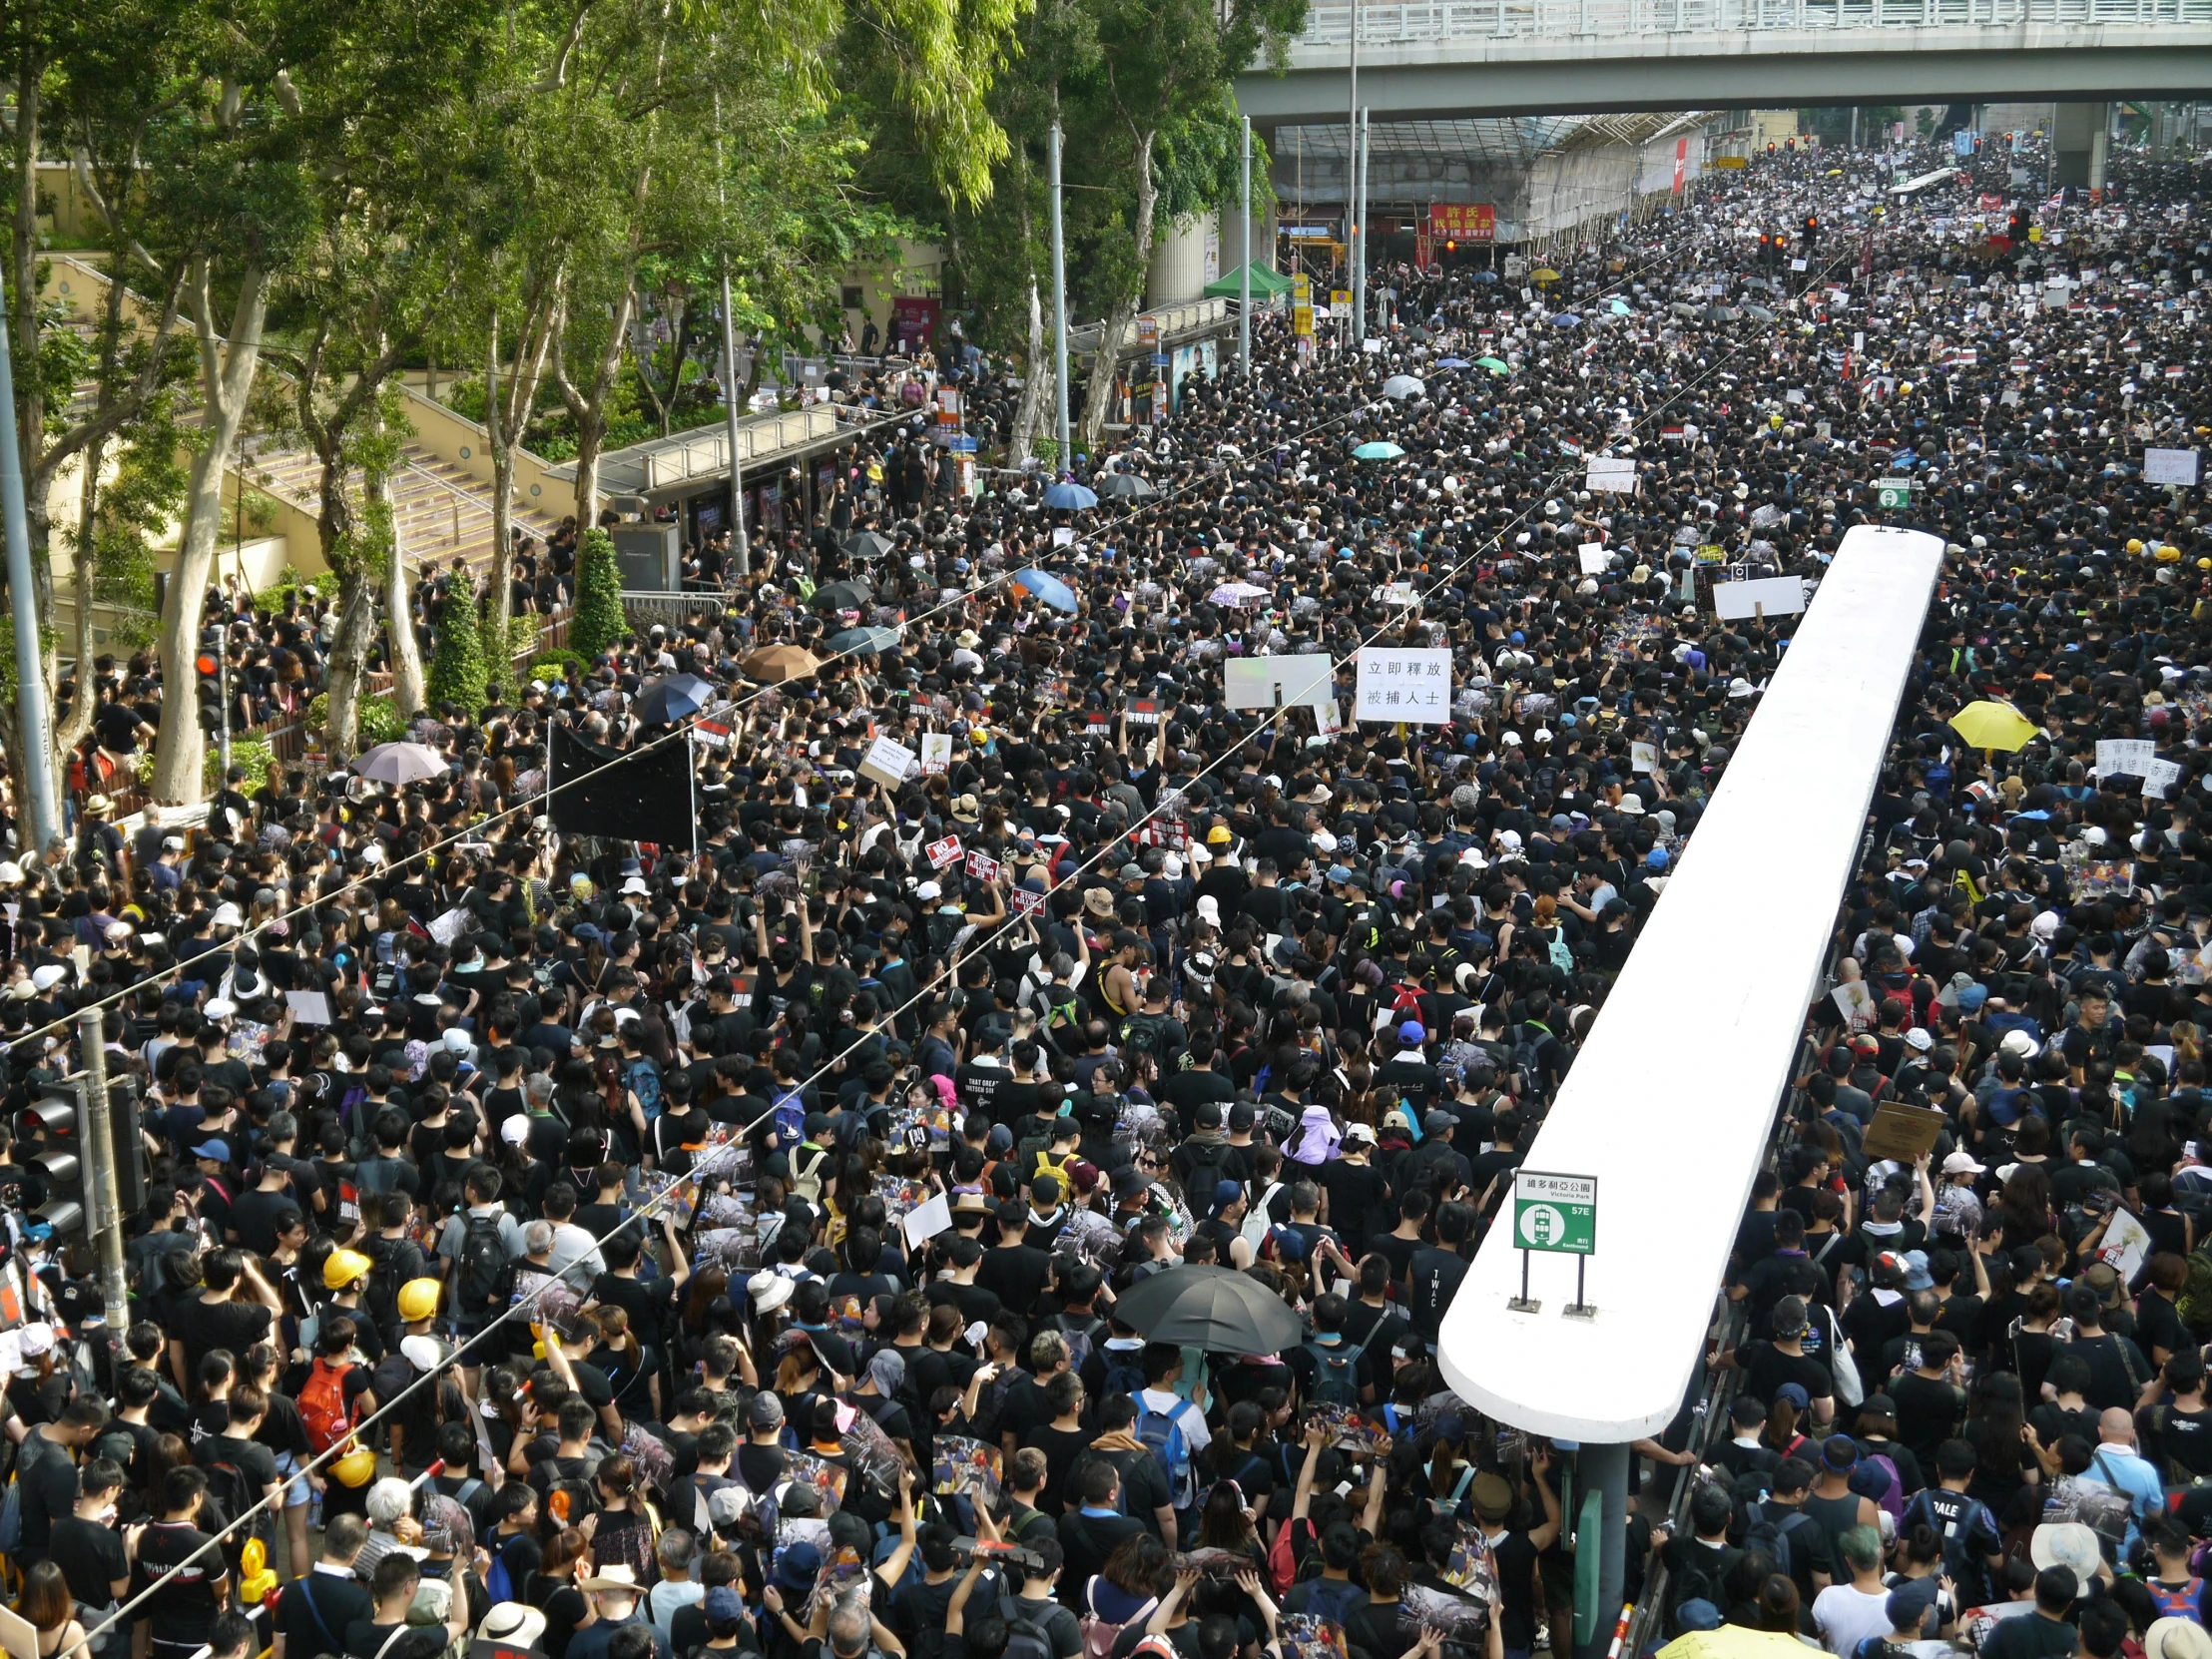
x=52 y=1130
x=1812 y=230
x=132 y=1174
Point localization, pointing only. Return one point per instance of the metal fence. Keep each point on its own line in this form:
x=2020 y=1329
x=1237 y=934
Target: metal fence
x=1329 y=22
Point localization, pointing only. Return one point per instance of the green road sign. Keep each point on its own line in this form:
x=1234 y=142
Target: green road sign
x=1555 y=1212
x=1893 y=492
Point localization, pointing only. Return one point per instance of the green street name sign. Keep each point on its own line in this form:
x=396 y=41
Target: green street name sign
x=1893 y=492
x=1555 y=1212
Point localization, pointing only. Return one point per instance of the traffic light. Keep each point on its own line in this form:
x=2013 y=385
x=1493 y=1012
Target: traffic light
x=132 y=1174
x=1812 y=232
x=1452 y=246
x=2019 y=228
x=56 y=1122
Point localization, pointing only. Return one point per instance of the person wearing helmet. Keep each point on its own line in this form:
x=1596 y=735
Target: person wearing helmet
x=345 y=1275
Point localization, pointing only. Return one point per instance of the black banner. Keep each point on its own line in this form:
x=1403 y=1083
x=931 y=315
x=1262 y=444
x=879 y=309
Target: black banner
x=639 y=796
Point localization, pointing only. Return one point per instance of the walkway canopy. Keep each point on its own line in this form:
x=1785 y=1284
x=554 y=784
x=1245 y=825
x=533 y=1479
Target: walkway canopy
x=1672 y=1101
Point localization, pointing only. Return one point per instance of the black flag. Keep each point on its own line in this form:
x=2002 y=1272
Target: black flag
x=637 y=796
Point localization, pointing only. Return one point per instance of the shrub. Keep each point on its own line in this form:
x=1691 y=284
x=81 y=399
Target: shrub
x=563 y=665
x=457 y=673
x=599 y=623
x=376 y=718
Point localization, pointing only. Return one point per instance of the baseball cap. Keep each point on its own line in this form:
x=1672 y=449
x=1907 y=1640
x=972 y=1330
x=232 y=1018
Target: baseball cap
x=1963 y=1162
x=1917 y=1277
x=1411 y=1032
x=766 y=1412
x=1909 y=1603
x=1359 y=1132
x=219 y=1151
x=1795 y=1393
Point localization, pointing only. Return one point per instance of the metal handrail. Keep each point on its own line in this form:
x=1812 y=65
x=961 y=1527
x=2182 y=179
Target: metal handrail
x=1329 y=22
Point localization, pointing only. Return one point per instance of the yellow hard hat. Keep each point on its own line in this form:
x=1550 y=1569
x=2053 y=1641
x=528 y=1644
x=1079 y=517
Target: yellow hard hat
x=418 y=1300
x=346 y=1266
x=356 y=1468
x=1905 y=387
x=2134 y=546
x=2204 y=564
x=2168 y=555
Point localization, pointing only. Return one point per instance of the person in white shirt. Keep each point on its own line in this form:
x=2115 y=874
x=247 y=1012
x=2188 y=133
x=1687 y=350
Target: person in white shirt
x=1163 y=1370
x=1847 y=1614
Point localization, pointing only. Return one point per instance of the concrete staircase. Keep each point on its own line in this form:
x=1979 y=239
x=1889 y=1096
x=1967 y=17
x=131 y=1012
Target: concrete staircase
x=440 y=511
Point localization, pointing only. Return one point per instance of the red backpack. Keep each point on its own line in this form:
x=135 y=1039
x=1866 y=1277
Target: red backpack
x=322 y=1406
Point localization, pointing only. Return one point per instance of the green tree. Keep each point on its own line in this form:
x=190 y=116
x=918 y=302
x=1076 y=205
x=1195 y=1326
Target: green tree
x=457 y=669
x=599 y=621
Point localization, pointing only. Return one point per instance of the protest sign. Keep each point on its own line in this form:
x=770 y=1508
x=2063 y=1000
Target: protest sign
x=887 y=762
x=943 y=853
x=1276 y=682
x=1398 y=684
x=1771 y=595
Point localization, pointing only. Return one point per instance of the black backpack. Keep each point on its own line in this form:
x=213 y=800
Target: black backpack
x=1025 y=1638
x=487 y=1274
x=1771 y=1532
x=382 y=1294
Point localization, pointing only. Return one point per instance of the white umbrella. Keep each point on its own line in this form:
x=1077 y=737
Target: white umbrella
x=399 y=763
x=1237 y=593
x=1403 y=386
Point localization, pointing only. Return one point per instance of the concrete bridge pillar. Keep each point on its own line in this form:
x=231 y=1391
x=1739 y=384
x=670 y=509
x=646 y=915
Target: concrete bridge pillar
x=2081 y=143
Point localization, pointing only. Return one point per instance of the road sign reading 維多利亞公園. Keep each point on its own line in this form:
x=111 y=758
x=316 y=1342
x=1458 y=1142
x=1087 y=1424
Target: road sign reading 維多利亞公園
x=1893 y=492
x=1555 y=1212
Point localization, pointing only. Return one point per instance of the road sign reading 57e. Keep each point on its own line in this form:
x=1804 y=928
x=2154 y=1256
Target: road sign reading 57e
x=1555 y=1212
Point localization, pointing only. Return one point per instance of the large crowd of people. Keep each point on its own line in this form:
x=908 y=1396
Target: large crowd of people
x=612 y=1251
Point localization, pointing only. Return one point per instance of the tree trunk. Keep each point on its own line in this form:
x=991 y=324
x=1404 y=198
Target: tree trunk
x=504 y=423
x=224 y=379
x=1029 y=412
x=1118 y=321
x=348 y=662
x=405 y=648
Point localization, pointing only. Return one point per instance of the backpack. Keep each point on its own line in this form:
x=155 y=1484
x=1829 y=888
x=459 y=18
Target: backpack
x=789 y=1118
x=323 y=1407
x=486 y=1275
x=1406 y=1005
x=1124 y=1371
x=1025 y=1638
x=1336 y=1374
x=1254 y=1231
x=1527 y=1060
x=382 y=1294
x=1562 y=958
x=1160 y=1434
x=807 y=1172
x=2176 y=1604
x=1768 y=1533
x=499 y=1584
x=2194 y=1304
x=643 y=1079
x=234 y=1494
x=1099 y=1636
x=1960 y=1560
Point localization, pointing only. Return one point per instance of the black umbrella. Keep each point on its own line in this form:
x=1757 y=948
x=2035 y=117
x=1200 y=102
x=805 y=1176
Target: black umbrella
x=868 y=545
x=848 y=595
x=1217 y=1308
x=1126 y=486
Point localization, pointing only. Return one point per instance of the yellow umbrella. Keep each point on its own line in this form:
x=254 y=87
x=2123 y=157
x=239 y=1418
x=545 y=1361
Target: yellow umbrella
x=1990 y=724
x=1543 y=273
x=1731 y=1641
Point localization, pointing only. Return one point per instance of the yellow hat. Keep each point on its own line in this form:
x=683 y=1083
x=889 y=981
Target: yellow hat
x=346 y=1266
x=356 y=1468
x=2134 y=546
x=2169 y=555
x=418 y=1300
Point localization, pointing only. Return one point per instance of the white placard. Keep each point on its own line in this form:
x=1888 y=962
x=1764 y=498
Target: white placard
x=2125 y=756
x=450 y=926
x=2125 y=1246
x=1270 y=682
x=936 y=751
x=926 y=1221
x=1611 y=473
x=309 y=1007
x=1593 y=557
x=1643 y=757
x=1397 y=684
x=1372 y=347
x=1774 y=595
x=1062 y=534
x=2169 y=466
x=2159 y=777
x=888 y=762
x=1402 y=596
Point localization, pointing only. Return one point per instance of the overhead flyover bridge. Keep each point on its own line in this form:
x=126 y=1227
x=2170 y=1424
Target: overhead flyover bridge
x=1455 y=59
x=1675 y=1147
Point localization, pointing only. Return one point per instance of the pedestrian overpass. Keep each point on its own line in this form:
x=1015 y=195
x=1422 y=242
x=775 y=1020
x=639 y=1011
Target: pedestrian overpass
x=1444 y=59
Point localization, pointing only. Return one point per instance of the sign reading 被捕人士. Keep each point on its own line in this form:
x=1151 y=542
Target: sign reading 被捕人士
x=1555 y=1212
x=1412 y=685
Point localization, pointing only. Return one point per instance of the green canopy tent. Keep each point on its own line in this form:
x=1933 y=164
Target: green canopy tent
x=1267 y=283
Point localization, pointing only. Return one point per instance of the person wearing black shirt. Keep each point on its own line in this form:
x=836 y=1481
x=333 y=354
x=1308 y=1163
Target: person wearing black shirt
x=85 y=1543
x=47 y=1472
x=315 y=1611
x=1433 y=1275
x=1014 y=1270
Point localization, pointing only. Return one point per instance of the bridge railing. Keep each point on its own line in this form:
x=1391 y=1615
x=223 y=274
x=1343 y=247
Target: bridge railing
x=1329 y=22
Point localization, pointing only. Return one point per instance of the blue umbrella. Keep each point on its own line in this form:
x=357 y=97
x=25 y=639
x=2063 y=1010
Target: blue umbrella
x=1378 y=451
x=1046 y=587
x=1070 y=495
x=1620 y=308
x=1565 y=320
x=864 y=639
x=1453 y=362
x=678 y=696
x=1486 y=275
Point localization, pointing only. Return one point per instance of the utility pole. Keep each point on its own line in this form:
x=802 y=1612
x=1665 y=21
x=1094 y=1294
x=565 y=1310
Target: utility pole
x=741 y=547
x=1243 y=259
x=1362 y=139
x=1060 y=316
x=100 y=1156
x=1352 y=173
x=32 y=729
